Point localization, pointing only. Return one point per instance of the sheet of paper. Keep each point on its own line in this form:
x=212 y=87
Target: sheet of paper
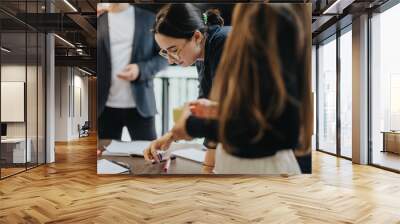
x=191 y=154
x=118 y=148
x=184 y=145
x=106 y=167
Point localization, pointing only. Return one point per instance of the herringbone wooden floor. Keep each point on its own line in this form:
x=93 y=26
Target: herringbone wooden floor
x=69 y=191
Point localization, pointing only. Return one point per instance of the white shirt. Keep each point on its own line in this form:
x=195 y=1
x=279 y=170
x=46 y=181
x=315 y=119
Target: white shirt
x=121 y=27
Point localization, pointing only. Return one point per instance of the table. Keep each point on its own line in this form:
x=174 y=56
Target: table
x=13 y=150
x=138 y=166
x=391 y=141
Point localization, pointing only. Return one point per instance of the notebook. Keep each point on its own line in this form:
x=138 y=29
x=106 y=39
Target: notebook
x=191 y=151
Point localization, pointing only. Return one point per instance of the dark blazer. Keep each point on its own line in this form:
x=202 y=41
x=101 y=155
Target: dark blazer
x=144 y=53
x=215 y=42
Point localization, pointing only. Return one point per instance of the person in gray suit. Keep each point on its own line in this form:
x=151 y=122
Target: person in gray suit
x=127 y=60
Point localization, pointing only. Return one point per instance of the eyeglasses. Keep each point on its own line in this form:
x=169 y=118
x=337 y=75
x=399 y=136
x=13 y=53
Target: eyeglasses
x=175 y=55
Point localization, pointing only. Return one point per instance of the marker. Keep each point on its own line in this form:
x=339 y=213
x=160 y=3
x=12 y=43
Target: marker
x=172 y=157
x=166 y=166
x=135 y=155
x=160 y=156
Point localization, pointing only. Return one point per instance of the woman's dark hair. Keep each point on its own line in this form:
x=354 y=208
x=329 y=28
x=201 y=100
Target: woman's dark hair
x=182 y=20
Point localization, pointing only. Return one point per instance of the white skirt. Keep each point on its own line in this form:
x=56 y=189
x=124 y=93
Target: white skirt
x=283 y=162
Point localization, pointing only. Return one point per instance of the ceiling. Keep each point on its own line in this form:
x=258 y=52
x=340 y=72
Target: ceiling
x=79 y=27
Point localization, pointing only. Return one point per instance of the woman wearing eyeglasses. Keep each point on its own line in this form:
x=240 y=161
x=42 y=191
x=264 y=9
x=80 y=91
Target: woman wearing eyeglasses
x=187 y=37
x=261 y=111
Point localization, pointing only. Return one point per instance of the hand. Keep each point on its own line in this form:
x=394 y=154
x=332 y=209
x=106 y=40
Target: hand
x=179 y=129
x=161 y=144
x=102 y=8
x=204 y=108
x=130 y=73
x=100 y=11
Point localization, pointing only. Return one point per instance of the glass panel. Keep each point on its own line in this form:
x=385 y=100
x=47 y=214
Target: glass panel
x=41 y=99
x=327 y=96
x=346 y=94
x=158 y=95
x=14 y=153
x=385 y=84
x=181 y=90
x=183 y=87
x=22 y=64
x=32 y=97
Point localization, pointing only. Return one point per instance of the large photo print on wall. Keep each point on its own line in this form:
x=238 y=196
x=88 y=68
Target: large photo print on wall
x=204 y=88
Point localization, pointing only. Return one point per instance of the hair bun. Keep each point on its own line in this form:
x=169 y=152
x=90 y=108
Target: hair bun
x=213 y=17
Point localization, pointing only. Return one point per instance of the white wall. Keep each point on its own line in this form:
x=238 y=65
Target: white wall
x=61 y=103
x=17 y=73
x=14 y=73
x=71 y=94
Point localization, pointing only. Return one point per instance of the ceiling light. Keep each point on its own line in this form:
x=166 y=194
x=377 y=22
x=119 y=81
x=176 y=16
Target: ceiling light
x=70 y=5
x=84 y=71
x=332 y=8
x=64 y=40
x=5 y=50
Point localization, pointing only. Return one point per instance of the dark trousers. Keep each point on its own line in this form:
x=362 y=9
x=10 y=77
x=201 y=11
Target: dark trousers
x=305 y=163
x=112 y=120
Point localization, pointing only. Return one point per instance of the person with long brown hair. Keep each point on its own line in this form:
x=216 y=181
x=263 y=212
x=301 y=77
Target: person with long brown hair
x=260 y=109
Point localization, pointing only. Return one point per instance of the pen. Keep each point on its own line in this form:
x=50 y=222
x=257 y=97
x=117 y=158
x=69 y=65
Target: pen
x=134 y=155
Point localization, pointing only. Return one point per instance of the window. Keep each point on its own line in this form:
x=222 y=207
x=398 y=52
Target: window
x=346 y=93
x=327 y=96
x=385 y=88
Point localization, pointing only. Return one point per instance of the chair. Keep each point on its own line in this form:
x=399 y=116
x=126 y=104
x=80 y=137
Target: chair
x=84 y=130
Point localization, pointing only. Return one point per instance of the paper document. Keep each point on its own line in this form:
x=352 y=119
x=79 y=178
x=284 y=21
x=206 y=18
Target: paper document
x=106 y=167
x=118 y=148
x=183 y=145
x=191 y=154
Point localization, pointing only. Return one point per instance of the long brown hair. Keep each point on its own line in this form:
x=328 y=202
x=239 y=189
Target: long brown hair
x=251 y=48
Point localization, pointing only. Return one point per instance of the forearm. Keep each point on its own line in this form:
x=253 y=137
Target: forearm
x=199 y=128
x=149 y=68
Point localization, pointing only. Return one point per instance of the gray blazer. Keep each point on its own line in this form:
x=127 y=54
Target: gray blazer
x=144 y=53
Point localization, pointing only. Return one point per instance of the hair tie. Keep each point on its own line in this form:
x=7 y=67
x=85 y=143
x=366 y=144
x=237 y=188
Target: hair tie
x=205 y=17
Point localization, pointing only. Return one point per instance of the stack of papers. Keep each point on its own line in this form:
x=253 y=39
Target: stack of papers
x=191 y=151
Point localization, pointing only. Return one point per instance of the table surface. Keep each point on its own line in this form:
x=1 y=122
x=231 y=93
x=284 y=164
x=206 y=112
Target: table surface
x=13 y=140
x=138 y=166
x=391 y=132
